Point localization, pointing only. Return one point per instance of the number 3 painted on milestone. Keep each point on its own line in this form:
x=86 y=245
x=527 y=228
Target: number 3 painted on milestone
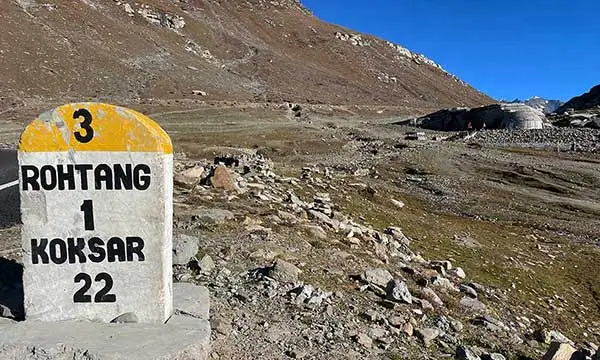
x=85 y=125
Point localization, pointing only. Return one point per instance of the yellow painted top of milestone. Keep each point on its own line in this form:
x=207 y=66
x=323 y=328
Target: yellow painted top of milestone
x=94 y=127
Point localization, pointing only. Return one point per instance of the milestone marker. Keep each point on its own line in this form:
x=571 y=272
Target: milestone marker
x=96 y=184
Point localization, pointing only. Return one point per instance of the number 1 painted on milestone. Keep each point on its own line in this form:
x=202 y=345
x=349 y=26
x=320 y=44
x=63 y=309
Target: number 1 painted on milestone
x=88 y=214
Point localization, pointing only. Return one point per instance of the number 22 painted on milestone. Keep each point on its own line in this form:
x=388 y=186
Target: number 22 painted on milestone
x=87 y=208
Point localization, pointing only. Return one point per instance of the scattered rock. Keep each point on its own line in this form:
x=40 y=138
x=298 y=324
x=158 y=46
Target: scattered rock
x=206 y=265
x=189 y=177
x=378 y=276
x=458 y=272
x=397 y=203
x=398 y=291
x=493 y=356
x=559 y=351
x=472 y=305
x=469 y=291
x=284 y=271
x=464 y=353
x=427 y=335
x=222 y=179
x=185 y=248
x=408 y=329
x=430 y=295
x=364 y=340
x=212 y=216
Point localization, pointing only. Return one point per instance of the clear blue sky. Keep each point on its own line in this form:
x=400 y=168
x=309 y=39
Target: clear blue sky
x=507 y=49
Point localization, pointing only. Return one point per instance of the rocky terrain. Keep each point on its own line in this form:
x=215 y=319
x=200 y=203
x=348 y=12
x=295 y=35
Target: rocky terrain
x=323 y=223
x=325 y=236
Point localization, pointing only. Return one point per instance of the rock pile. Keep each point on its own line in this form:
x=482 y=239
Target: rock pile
x=354 y=39
x=173 y=22
x=557 y=139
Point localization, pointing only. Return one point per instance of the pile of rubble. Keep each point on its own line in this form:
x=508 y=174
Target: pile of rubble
x=554 y=139
x=173 y=22
x=354 y=39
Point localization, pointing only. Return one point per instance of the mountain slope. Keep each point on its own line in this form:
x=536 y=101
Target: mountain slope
x=238 y=50
x=583 y=102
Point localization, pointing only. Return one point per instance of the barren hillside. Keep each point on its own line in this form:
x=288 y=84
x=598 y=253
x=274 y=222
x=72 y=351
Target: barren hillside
x=236 y=50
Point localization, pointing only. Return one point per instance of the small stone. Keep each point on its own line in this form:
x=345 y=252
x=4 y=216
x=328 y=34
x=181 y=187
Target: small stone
x=472 y=305
x=364 y=340
x=316 y=232
x=464 y=353
x=559 y=351
x=408 y=329
x=212 y=216
x=373 y=316
x=185 y=248
x=456 y=325
x=430 y=295
x=444 y=284
x=377 y=333
x=398 y=291
x=427 y=335
x=379 y=277
x=221 y=178
x=493 y=356
x=199 y=92
x=284 y=271
x=458 y=272
x=469 y=291
x=397 y=203
x=189 y=177
x=396 y=321
x=207 y=265
x=126 y=318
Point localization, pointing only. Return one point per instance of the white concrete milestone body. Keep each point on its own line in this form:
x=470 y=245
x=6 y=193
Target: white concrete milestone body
x=96 y=188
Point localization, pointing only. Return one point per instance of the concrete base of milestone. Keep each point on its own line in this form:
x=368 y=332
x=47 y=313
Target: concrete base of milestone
x=185 y=336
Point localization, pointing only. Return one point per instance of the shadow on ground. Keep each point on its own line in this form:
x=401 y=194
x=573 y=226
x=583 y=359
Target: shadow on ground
x=11 y=289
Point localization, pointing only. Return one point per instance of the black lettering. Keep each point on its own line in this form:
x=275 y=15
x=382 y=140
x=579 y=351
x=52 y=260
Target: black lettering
x=30 y=179
x=97 y=253
x=76 y=250
x=141 y=177
x=123 y=177
x=48 y=177
x=68 y=176
x=103 y=296
x=85 y=125
x=83 y=174
x=135 y=245
x=103 y=173
x=80 y=296
x=38 y=250
x=58 y=251
x=115 y=247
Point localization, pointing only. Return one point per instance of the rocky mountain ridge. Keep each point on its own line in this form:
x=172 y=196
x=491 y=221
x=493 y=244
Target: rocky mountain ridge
x=589 y=100
x=544 y=105
x=263 y=51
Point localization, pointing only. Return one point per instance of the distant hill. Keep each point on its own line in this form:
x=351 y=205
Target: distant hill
x=541 y=104
x=586 y=101
x=253 y=50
